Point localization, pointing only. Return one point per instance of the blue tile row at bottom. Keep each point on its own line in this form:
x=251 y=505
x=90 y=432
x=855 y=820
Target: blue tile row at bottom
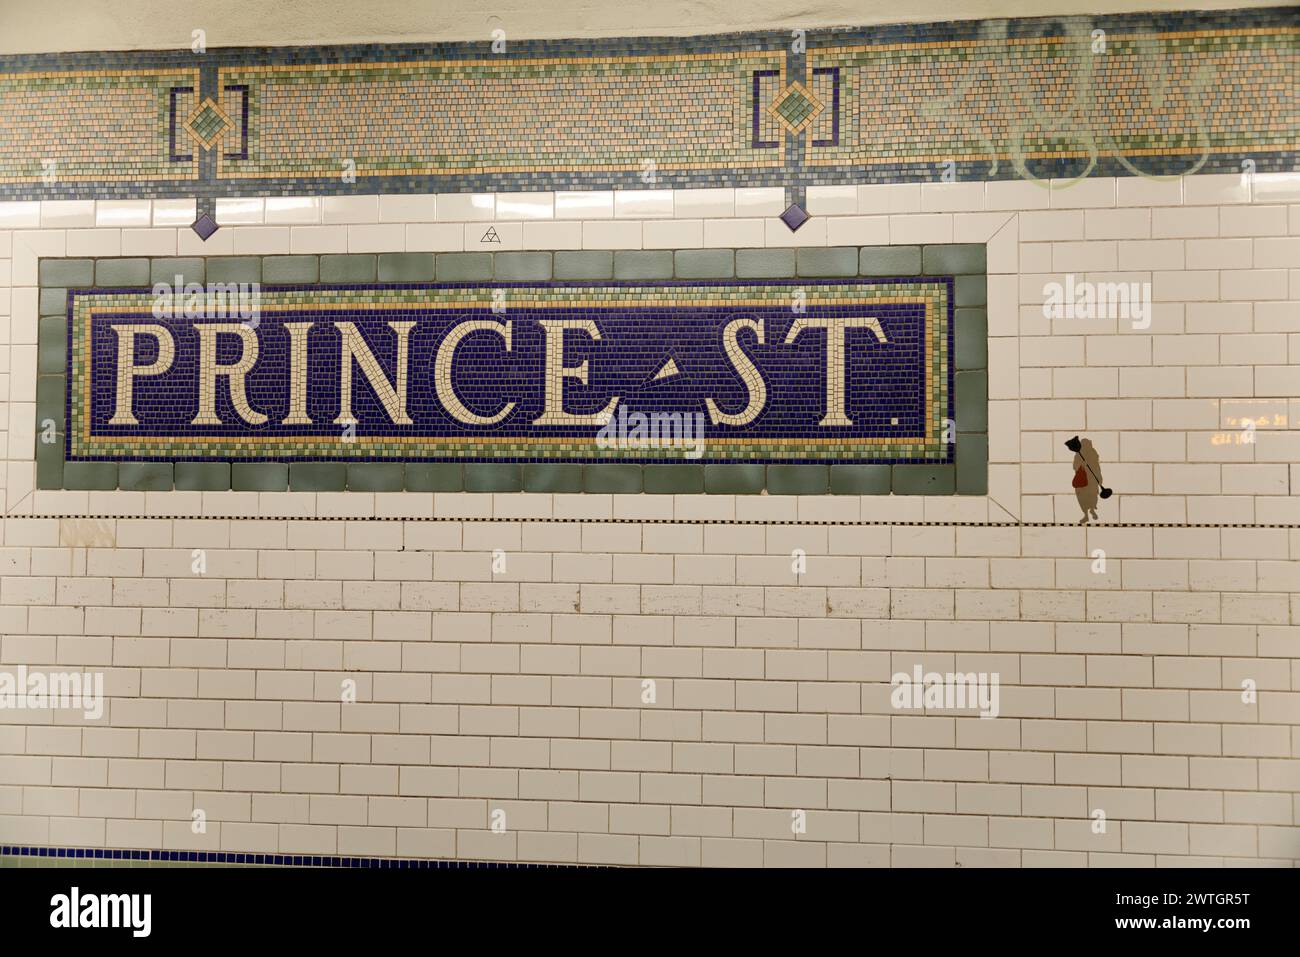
x=255 y=859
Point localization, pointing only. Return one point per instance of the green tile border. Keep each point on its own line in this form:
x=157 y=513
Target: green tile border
x=967 y=475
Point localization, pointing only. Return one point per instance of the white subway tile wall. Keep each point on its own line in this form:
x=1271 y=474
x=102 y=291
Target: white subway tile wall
x=681 y=680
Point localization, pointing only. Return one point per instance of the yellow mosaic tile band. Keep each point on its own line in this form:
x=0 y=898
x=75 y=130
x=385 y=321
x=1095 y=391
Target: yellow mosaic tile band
x=92 y=125
x=678 y=112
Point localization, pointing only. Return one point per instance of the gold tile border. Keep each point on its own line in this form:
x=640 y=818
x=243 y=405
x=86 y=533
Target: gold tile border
x=89 y=440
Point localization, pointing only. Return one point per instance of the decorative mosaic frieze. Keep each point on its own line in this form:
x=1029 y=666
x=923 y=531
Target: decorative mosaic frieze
x=1140 y=94
x=435 y=118
x=96 y=126
x=439 y=369
x=1142 y=100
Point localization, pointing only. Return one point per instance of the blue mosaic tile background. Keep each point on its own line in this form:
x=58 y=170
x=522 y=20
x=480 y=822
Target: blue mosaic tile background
x=886 y=381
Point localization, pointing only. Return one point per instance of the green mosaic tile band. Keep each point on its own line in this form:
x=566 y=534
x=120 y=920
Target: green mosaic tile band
x=79 y=446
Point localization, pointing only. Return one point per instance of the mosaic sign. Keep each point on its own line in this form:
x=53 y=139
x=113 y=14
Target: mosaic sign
x=813 y=371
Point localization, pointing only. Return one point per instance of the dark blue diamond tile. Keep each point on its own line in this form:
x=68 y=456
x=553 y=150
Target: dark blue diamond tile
x=205 y=226
x=794 y=217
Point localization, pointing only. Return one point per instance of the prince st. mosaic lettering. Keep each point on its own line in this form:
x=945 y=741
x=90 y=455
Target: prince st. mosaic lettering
x=816 y=371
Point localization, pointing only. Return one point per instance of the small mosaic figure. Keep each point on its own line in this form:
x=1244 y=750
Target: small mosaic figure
x=1087 y=477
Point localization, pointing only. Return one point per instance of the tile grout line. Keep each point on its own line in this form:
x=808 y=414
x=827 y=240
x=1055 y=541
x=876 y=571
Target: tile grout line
x=635 y=521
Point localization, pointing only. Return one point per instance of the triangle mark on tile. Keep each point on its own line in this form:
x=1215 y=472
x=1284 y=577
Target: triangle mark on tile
x=667 y=370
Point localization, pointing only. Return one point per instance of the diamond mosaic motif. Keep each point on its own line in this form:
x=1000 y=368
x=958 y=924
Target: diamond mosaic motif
x=208 y=124
x=796 y=107
x=204 y=226
x=795 y=216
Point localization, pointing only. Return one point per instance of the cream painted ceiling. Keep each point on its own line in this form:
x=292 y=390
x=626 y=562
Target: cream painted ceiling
x=33 y=26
